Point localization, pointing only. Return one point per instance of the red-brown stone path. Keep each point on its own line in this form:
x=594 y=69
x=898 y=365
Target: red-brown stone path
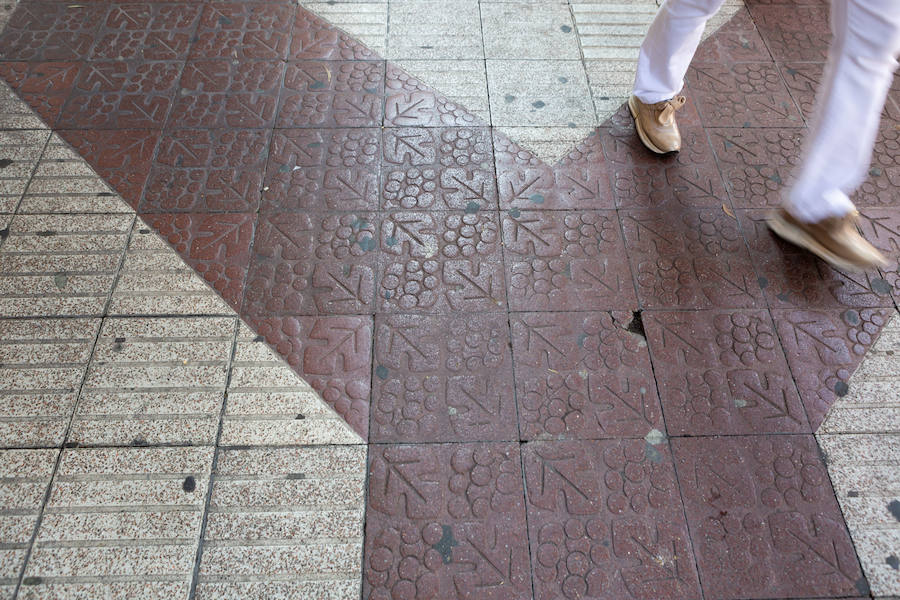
x=595 y=379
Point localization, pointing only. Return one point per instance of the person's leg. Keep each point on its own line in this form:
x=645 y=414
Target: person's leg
x=670 y=45
x=839 y=145
x=663 y=61
x=818 y=214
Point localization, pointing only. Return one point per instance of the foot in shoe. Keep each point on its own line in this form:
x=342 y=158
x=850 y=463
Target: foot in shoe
x=836 y=240
x=655 y=123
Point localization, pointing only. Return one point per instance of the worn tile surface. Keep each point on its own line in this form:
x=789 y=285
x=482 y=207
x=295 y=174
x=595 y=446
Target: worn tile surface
x=155 y=381
x=26 y=478
x=119 y=520
x=284 y=523
x=43 y=367
x=584 y=371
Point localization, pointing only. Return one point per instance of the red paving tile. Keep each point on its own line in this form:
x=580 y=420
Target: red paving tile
x=735 y=41
x=794 y=32
x=881 y=226
x=121 y=95
x=147 y=31
x=744 y=95
x=334 y=354
x=410 y=103
x=824 y=347
x=51 y=31
x=879 y=189
x=722 y=372
x=446 y=521
x=332 y=94
x=244 y=31
x=436 y=282
x=322 y=169
x=792 y=278
x=201 y=170
x=44 y=86
x=573 y=260
x=763 y=518
x=314 y=39
x=313 y=264
x=122 y=157
x=442 y=379
x=228 y=93
x=756 y=163
x=426 y=168
x=579 y=180
x=582 y=375
x=690 y=259
x=440 y=262
x=605 y=521
x=642 y=179
x=803 y=79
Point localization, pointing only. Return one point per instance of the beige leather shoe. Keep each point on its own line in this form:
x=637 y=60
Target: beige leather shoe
x=655 y=123
x=835 y=240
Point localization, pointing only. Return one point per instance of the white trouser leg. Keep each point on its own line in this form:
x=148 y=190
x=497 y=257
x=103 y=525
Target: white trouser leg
x=669 y=47
x=839 y=144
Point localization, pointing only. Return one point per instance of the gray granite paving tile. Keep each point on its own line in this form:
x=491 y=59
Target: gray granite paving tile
x=320 y=590
x=19 y=153
x=108 y=590
x=157 y=380
x=60 y=265
x=462 y=81
x=5 y=12
x=434 y=29
x=611 y=83
x=865 y=471
x=365 y=21
x=117 y=517
x=14 y=113
x=154 y=280
x=268 y=404
x=879 y=551
x=42 y=364
x=24 y=478
x=613 y=31
x=283 y=522
x=63 y=182
x=545 y=93
x=525 y=30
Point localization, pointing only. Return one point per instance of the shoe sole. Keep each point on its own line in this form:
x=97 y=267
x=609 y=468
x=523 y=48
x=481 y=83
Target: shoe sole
x=640 y=131
x=800 y=238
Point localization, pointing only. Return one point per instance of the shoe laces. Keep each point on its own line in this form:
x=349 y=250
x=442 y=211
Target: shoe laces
x=666 y=109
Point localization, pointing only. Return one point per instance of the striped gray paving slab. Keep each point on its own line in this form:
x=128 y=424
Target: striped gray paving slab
x=120 y=522
x=42 y=365
x=158 y=380
x=284 y=523
x=154 y=280
x=861 y=440
x=111 y=346
x=61 y=264
x=24 y=479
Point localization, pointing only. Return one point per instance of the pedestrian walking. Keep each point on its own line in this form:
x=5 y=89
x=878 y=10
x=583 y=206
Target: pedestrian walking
x=817 y=213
